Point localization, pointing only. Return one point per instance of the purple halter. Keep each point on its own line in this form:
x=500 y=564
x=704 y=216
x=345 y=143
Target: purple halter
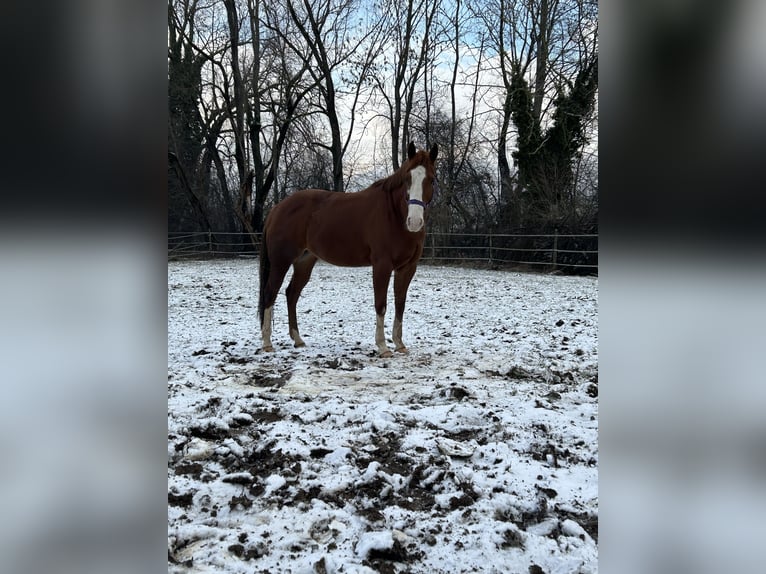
x=422 y=203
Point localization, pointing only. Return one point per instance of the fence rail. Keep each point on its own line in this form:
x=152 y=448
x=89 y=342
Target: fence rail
x=574 y=253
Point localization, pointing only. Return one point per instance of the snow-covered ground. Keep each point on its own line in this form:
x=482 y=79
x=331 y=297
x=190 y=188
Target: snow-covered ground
x=476 y=452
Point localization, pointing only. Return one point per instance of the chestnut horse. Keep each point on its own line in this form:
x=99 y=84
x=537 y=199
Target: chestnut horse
x=382 y=226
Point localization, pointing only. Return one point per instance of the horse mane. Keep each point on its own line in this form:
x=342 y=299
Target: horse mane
x=395 y=181
x=390 y=183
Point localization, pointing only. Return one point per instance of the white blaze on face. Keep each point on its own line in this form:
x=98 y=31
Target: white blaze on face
x=415 y=219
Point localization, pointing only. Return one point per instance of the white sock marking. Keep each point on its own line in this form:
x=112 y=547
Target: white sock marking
x=266 y=327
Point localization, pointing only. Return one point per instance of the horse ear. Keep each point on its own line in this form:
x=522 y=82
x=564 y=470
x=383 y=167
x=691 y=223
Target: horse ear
x=411 y=151
x=434 y=152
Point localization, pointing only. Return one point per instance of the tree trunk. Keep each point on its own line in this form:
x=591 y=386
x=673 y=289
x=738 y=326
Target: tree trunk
x=254 y=109
x=245 y=211
x=541 y=71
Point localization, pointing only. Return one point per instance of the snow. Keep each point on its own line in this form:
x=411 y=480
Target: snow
x=475 y=452
x=273 y=483
x=374 y=541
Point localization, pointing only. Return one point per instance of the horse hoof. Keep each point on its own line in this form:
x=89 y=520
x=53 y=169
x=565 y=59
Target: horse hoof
x=386 y=355
x=403 y=350
x=300 y=344
x=268 y=349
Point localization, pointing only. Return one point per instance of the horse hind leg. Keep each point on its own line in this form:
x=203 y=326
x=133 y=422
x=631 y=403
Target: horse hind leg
x=302 y=268
x=276 y=275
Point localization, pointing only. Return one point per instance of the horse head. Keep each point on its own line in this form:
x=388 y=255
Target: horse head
x=420 y=177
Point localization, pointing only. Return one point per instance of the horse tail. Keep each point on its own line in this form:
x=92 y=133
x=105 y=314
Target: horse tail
x=265 y=269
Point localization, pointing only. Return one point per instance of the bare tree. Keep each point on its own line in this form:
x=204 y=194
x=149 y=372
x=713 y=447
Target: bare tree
x=410 y=44
x=279 y=92
x=253 y=95
x=332 y=45
x=547 y=52
x=185 y=124
x=263 y=96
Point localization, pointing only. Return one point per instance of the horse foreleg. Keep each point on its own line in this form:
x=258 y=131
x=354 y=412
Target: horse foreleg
x=399 y=345
x=402 y=279
x=380 y=337
x=380 y=280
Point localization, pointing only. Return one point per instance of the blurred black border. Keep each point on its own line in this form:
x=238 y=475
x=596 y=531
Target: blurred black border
x=682 y=117
x=84 y=151
x=682 y=125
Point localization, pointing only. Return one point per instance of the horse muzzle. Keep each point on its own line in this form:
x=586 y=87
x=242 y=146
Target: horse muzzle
x=415 y=211
x=414 y=224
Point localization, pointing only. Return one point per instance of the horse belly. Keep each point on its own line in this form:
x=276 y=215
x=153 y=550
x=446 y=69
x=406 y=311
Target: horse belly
x=339 y=245
x=343 y=255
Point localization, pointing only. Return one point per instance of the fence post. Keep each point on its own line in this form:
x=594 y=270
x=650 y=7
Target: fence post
x=490 y=248
x=555 y=246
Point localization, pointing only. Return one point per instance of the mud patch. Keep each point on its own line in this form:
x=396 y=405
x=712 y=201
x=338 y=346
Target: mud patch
x=265 y=379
